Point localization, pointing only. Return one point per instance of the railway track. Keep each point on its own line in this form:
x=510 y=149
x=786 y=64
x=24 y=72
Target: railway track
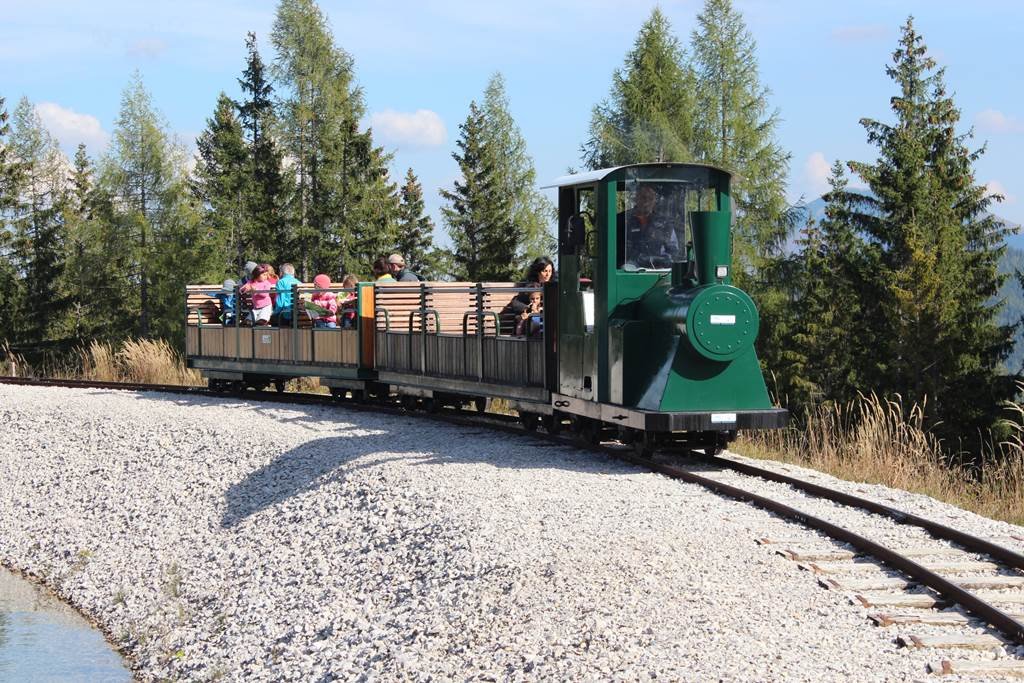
x=928 y=581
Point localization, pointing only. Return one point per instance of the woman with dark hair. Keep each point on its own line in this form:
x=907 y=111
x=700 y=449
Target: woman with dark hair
x=540 y=272
x=382 y=271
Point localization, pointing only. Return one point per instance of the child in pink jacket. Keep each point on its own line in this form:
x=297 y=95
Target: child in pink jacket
x=327 y=300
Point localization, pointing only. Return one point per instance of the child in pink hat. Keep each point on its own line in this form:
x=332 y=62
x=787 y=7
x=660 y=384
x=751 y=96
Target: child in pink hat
x=326 y=300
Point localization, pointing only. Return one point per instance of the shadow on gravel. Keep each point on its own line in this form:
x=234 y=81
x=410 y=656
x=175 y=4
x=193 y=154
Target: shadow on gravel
x=303 y=468
x=379 y=438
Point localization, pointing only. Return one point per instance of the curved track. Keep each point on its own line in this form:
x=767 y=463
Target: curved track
x=1011 y=628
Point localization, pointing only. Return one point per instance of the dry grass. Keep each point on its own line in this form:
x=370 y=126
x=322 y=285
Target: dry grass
x=880 y=442
x=142 y=361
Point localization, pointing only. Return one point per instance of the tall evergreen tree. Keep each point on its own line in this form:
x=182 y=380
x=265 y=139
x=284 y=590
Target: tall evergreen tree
x=826 y=361
x=532 y=212
x=478 y=217
x=151 y=218
x=937 y=250
x=38 y=226
x=267 y=191
x=735 y=129
x=649 y=115
x=222 y=182
x=416 y=229
x=11 y=285
x=373 y=215
x=77 y=215
x=320 y=118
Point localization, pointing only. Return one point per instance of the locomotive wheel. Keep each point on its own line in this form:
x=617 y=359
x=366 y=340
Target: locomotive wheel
x=643 y=447
x=480 y=403
x=552 y=423
x=338 y=393
x=588 y=430
x=529 y=420
x=280 y=384
x=358 y=395
x=409 y=402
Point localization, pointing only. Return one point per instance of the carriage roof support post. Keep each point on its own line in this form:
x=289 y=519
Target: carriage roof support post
x=480 y=331
x=238 y=323
x=295 y=323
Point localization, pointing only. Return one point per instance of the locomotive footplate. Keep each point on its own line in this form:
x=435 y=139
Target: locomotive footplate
x=656 y=421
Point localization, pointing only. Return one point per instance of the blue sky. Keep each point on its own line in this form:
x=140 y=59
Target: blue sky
x=421 y=63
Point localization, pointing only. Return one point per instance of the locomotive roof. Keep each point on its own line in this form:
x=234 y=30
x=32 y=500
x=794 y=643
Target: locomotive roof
x=589 y=177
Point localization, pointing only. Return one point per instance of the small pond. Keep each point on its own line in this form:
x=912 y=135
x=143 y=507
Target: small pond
x=42 y=639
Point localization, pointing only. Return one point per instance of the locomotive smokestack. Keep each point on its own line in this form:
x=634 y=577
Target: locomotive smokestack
x=712 y=246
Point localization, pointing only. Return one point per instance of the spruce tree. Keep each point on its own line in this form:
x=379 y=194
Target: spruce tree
x=374 y=215
x=222 y=182
x=937 y=251
x=478 y=216
x=320 y=114
x=11 y=285
x=828 y=353
x=649 y=114
x=155 y=228
x=735 y=129
x=267 y=190
x=39 y=235
x=416 y=229
x=532 y=212
x=77 y=214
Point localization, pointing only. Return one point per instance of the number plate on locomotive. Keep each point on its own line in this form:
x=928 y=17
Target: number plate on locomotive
x=722 y=418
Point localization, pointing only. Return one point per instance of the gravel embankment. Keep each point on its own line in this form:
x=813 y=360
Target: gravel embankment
x=234 y=540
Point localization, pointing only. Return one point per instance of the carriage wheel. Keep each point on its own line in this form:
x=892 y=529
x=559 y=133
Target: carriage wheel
x=529 y=420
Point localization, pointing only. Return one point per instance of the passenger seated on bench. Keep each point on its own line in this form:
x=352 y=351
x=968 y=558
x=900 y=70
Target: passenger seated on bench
x=382 y=271
x=530 y=323
x=283 y=304
x=226 y=301
x=262 y=298
x=347 y=303
x=326 y=303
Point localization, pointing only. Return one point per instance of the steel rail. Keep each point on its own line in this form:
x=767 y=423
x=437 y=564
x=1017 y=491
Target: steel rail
x=972 y=543
x=1009 y=627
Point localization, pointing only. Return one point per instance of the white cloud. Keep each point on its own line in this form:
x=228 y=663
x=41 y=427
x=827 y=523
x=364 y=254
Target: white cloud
x=422 y=128
x=996 y=187
x=816 y=173
x=995 y=121
x=147 y=48
x=860 y=34
x=71 y=128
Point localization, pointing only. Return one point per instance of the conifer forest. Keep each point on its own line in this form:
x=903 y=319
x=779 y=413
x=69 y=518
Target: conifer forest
x=896 y=291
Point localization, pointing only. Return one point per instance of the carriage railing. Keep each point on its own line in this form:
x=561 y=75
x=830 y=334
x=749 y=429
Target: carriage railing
x=298 y=341
x=457 y=330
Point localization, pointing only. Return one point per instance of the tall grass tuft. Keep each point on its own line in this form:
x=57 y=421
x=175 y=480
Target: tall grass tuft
x=14 y=364
x=882 y=442
x=142 y=361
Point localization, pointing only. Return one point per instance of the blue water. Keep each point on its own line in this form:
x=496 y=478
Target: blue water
x=42 y=639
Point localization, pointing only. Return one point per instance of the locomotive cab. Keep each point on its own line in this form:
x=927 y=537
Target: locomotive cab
x=652 y=335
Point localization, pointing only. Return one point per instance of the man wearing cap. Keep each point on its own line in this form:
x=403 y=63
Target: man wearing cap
x=397 y=265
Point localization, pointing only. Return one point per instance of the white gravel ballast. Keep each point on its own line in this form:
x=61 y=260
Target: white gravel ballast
x=232 y=540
